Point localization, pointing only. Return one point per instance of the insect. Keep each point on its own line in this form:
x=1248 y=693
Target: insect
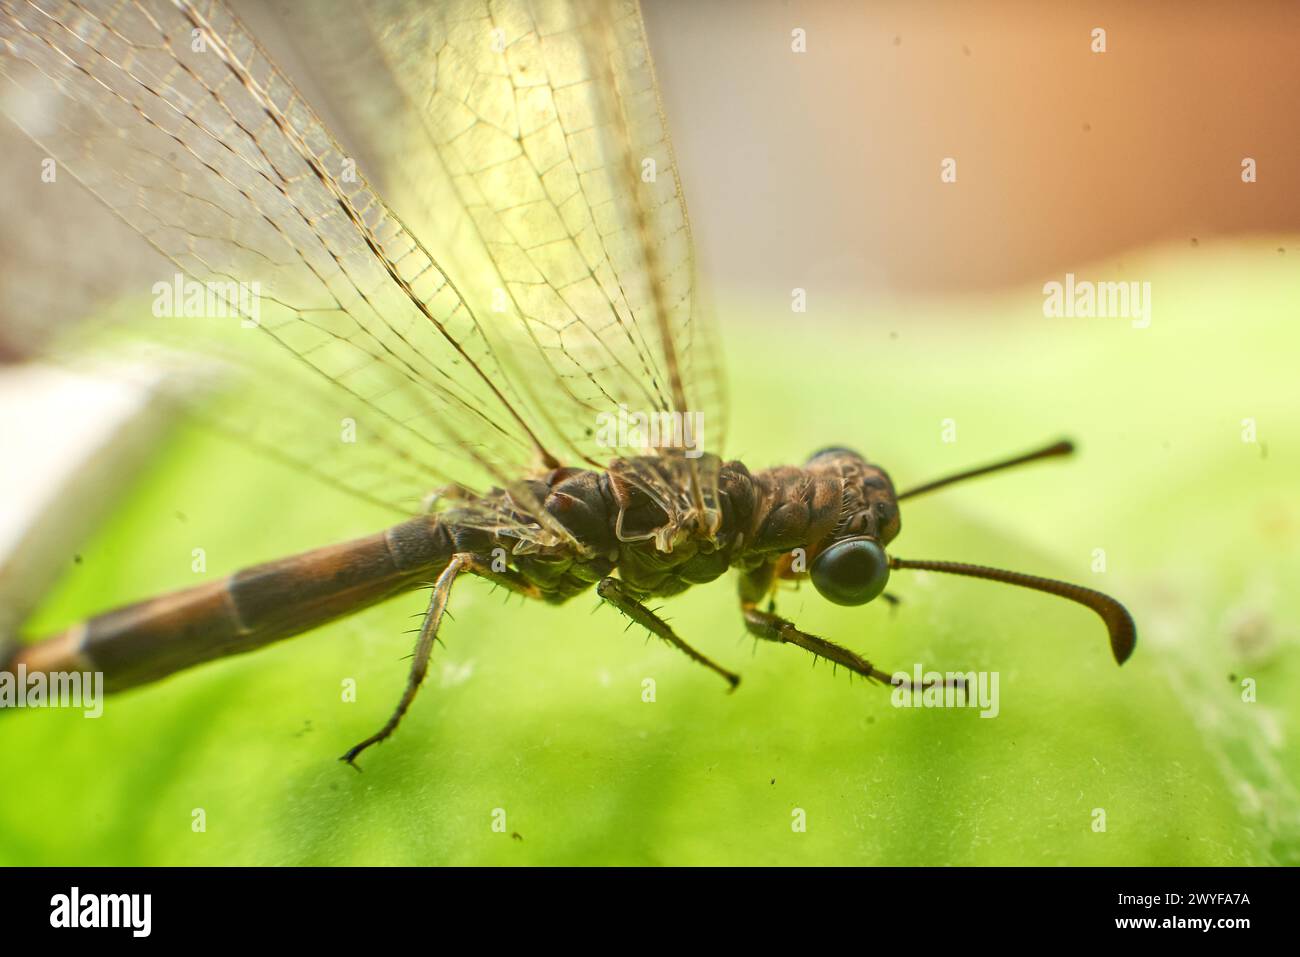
x=486 y=340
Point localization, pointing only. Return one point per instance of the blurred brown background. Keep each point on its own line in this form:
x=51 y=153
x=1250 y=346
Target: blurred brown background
x=822 y=168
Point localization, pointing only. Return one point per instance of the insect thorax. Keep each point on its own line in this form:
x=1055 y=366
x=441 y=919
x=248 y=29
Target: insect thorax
x=640 y=517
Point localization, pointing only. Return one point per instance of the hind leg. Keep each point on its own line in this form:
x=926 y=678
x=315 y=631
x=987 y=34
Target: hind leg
x=460 y=562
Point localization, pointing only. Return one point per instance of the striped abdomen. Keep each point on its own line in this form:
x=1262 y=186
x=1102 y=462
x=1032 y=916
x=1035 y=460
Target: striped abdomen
x=251 y=608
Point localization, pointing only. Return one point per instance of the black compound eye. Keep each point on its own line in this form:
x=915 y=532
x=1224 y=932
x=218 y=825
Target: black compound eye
x=851 y=572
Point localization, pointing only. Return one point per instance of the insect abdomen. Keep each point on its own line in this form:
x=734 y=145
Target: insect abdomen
x=151 y=639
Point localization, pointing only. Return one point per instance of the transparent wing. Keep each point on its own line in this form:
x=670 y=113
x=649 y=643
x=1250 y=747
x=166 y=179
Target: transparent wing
x=526 y=145
x=176 y=120
x=543 y=121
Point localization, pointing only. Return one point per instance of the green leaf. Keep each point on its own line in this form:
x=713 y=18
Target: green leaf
x=539 y=711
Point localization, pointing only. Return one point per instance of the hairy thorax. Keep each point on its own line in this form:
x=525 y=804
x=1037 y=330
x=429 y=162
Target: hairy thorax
x=638 y=517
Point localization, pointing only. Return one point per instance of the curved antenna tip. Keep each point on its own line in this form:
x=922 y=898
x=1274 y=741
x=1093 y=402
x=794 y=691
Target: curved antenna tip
x=1123 y=634
x=1118 y=621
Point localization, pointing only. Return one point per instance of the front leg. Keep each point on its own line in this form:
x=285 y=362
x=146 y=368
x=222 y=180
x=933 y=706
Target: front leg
x=615 y=592
x=771 y=627
x=758 y=584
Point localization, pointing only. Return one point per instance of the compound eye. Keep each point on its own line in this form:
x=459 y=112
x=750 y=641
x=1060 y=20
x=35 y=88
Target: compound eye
x=851 y=572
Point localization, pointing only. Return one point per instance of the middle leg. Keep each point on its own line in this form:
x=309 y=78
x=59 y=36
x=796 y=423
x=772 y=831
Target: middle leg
x=615 y=592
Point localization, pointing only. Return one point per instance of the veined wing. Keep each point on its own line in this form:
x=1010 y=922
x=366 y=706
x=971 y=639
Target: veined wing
x=172 y=115
x=544 y=120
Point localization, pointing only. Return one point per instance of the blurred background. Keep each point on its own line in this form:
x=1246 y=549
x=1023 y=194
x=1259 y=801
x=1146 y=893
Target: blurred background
x=925 y=344
x=1064 y=156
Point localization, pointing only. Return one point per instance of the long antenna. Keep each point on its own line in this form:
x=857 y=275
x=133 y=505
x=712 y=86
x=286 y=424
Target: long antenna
x=1123 y=633
x=1063 y=447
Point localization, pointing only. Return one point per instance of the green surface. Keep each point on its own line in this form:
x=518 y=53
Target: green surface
x=539 y=711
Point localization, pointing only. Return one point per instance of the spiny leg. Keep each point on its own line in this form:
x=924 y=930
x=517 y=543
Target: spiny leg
x=615 y=592
x=460 y=562
x=770 y=627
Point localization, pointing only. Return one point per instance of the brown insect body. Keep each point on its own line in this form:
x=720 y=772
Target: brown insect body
x=615 y=522
x=635 y=517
